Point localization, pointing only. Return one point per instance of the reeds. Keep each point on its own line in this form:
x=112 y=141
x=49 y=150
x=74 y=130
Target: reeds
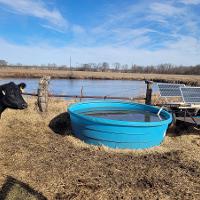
x=64 y=74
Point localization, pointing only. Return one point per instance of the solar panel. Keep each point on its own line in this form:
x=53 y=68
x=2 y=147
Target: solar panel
x=170 y=90
x=191 y=94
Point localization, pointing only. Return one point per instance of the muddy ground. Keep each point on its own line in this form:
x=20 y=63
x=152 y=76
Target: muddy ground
x=37 y=163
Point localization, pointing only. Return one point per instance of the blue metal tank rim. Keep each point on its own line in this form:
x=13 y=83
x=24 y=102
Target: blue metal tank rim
x=100 y=120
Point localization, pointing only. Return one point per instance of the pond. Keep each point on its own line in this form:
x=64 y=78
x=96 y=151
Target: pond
x=119 y=88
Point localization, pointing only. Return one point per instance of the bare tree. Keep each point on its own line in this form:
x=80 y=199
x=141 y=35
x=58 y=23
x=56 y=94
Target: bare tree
x=117 y=66
x=3 y=63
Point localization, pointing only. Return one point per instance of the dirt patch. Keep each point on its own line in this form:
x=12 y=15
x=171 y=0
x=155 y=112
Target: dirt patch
x=63 y=167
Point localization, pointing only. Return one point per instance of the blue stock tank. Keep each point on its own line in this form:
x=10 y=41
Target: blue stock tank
x=119 y=124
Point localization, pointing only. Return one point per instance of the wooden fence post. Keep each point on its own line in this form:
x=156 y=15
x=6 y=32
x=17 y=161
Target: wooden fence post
x=42 y=100
x=148 y=92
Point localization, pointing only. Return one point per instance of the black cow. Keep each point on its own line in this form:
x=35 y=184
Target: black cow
x=11 y=96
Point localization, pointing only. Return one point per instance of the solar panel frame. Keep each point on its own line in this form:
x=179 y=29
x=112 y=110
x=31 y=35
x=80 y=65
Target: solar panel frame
x=191 y=95
x=168 y=90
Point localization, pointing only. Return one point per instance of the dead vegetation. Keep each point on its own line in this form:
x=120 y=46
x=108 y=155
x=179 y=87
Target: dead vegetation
x=63 y=167
x=37 y=73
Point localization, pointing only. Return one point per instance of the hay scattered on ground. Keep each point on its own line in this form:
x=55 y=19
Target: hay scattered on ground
x=63 y=167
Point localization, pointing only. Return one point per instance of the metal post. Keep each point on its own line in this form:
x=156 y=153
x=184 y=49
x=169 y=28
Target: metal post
x=43 y=94
x=148 y=92
x=70 y=63
x=81 y=93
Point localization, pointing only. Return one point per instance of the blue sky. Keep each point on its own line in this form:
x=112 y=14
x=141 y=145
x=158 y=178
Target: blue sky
x=140 y=32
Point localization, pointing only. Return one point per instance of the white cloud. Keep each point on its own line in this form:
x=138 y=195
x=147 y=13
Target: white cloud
x=131 y=37
x=126 y=35
x=37 y=9
x=57 y=29
x=77 y=29
x=156 y=22
x=186 y=51
x=156 y=18
x=187 y=44
x=166 y=9
x=126 y=32
x=192 y=2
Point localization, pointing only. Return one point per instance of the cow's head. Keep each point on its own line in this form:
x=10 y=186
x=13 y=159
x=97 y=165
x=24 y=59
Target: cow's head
x=11 y=96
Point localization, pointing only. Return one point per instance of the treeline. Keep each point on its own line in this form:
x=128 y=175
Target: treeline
x=167 y=69
x=116 y=67
x=158 y=69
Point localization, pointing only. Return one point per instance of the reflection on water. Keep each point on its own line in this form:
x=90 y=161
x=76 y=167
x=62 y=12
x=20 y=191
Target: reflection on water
x=131 y=116
x=121 y=88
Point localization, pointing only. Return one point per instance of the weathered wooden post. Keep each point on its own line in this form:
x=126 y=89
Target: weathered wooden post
x=148 y=92
x=42 y=100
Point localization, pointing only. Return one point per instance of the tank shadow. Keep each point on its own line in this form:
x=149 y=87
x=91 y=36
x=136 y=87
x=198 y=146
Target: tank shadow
x=61 y=124
x=14 y=189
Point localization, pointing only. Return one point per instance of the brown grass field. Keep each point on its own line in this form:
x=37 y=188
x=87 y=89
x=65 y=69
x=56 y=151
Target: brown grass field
x=36 y=163
x=37 y=73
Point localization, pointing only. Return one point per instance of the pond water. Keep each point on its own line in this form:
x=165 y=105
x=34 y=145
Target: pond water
x=131 y=116
x=119 y=88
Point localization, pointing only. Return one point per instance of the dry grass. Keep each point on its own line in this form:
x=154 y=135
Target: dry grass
x=63 y=167
x=36 y=73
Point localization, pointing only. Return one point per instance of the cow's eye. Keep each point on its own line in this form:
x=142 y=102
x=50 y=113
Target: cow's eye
x=3 y=92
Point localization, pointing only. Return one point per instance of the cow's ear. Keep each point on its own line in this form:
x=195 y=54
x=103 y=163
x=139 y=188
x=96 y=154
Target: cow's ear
x=22 y=86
